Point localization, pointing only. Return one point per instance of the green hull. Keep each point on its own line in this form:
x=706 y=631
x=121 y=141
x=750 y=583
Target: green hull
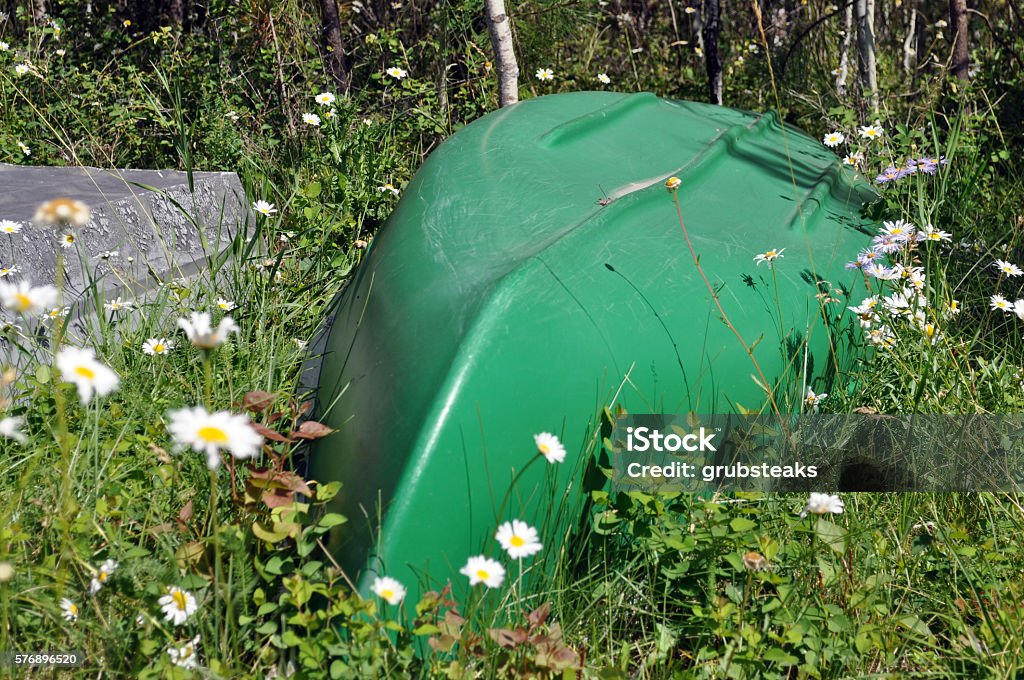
x=533 y=262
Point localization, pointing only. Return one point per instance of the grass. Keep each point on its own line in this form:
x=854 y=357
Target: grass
x=635 y=586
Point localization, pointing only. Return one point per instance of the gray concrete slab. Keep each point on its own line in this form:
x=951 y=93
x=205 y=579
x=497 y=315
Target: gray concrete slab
x=159 y=228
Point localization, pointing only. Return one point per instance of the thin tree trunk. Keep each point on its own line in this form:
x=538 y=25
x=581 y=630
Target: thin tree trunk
x=334 y=61
x=176 y=12
x=908 y=50
x=712 y=59
x=500 y=28
x=844 y=55
x=961 y=64
x=38 y=9
x=864 y=11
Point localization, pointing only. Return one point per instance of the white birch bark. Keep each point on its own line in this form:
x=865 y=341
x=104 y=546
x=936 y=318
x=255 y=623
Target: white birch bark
x=500 y=28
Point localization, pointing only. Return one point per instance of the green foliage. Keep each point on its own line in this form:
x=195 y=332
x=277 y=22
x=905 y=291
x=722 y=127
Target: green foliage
x=653 y=586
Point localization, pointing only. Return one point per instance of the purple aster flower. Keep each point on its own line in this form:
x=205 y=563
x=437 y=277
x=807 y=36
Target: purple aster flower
x=888 y=175
x=886 y=243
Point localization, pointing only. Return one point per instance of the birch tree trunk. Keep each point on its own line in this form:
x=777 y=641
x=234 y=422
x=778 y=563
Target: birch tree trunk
x=176 y=12
x=844 y=55
x=334 y=59
x=500 y=28
x=712 y=58
x=961 y=65
x=864 y=11
x=909 y=43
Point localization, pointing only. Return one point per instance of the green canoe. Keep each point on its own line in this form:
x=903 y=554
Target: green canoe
x=534 y=261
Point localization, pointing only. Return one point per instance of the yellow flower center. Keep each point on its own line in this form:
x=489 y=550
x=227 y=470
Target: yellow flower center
x=178 y=596
x=24 y=301
x=88 y=374
x=102 y=578
x=387 y=594
x=158 y=348
x=482 y=574
x=517 y=541
x=214 y=435
x=73 y=609
x=545 y=449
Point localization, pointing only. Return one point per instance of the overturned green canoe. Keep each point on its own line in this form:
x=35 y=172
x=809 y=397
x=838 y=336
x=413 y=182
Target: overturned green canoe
x=537 y=259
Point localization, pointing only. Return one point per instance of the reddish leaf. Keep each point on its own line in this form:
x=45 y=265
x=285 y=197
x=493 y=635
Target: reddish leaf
x=508 y=638
x=453 y=619
x=186 y=513
x=272 y=435
x=257 y=401
x=277 y=498
x=312 y=430
x=539 y=615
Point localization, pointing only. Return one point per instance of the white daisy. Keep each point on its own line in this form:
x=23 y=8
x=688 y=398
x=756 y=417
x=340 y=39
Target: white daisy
x=10 y=428
x=833 y=139
x=119 y=305
x=813 y=400
x=549 y=447
x=177 y=605
x=156 y=346
x=79 y=366
x=311 y=119
x=201 y=333
x=518 y=539
x=9 y=227
x=325 y=98
x=484 y=570
x=543 y=74
x=66 y=212
x=872 y=131
x=1007 y=268
x=768 y=256
x=210 y=433
x=68 y=239
x=1018 y=309
x=1000 y=303
x=226 y=305
x=930 y=233
x=822 y=503
x=186 y=655
x=102 y=576
x=22 y=298
x=69 y=610
x=264 y=208
x=396 y=73
x=21 y=69
x=603 y=78
x=388 y=589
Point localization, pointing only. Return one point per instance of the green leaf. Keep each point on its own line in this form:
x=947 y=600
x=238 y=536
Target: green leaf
x=268 y=628
x=43 y=373
x=741 y=524
x=325 y=492
x=915 y=624
x=780 y=656
x=331 y=519
x=832 y=535
x=426 y=629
